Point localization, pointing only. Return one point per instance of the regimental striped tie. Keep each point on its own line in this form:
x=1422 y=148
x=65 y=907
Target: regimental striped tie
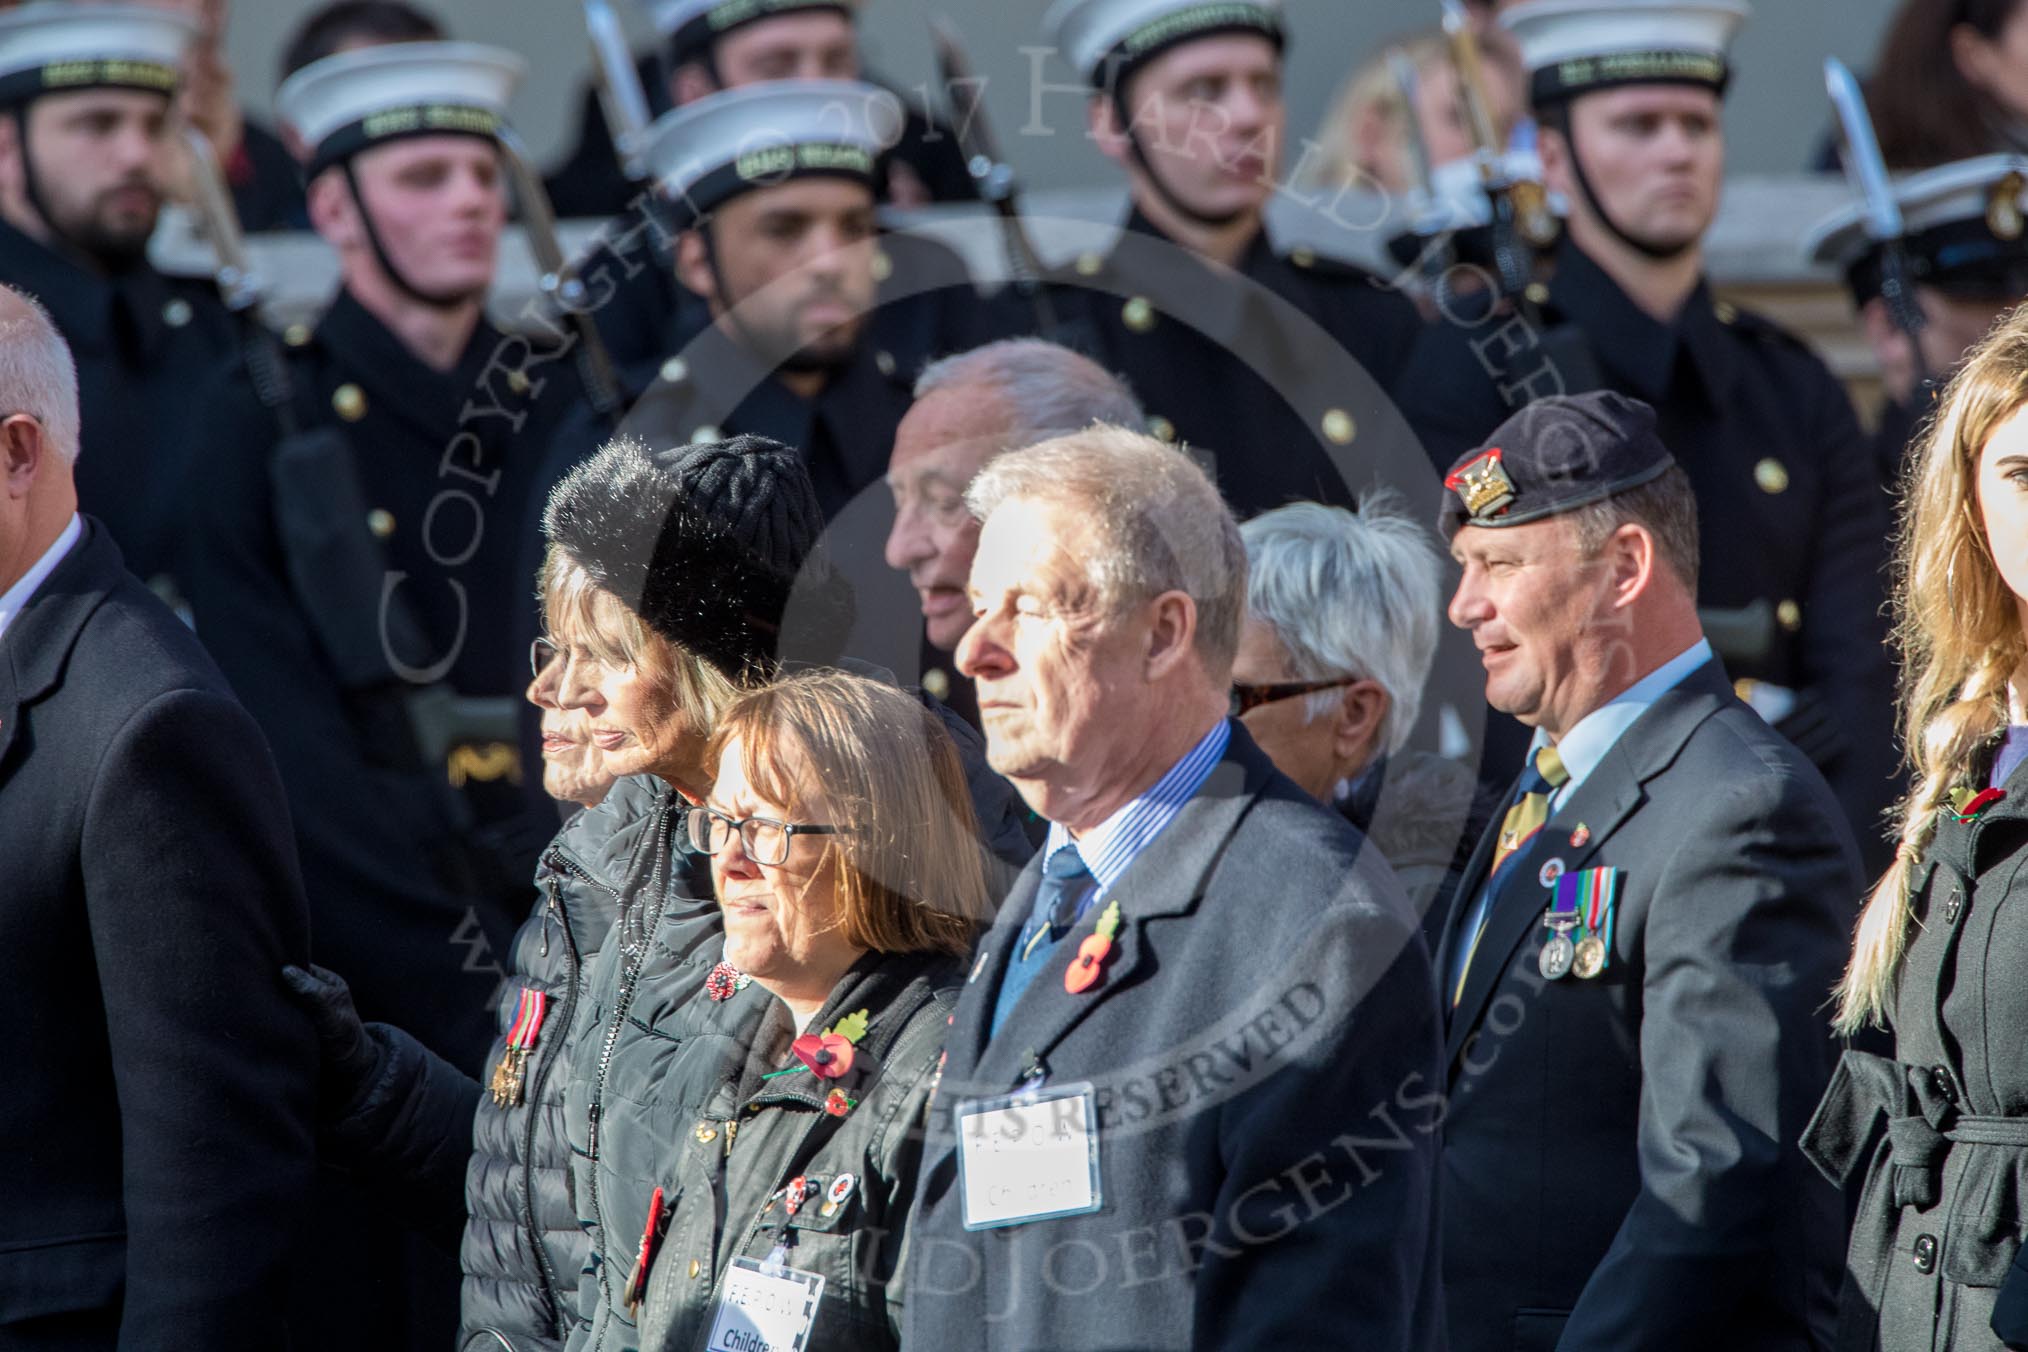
x=1544 y=776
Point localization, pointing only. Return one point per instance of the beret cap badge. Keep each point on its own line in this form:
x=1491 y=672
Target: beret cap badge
x=1483 y=484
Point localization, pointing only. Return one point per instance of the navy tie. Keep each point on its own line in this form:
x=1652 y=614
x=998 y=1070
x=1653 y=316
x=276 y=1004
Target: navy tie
x=1066 y=882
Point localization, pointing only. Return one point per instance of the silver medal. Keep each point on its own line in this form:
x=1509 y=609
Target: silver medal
x=1558 y=954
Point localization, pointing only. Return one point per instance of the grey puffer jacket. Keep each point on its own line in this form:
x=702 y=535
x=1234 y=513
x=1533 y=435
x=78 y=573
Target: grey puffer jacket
x=763 y=1129
x=523 y=1248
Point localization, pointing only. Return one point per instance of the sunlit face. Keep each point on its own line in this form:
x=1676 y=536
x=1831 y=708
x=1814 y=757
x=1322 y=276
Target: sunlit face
x=1654 y=154
x=1209 y=116
x=783 y=922
x=573 y=767
x=1537 y=612
x=2003 y=501
x=98 y=157
x=438 y=204
x=813 y=45
x=1063 y=693
x=946 y=438
x=795 y=268
x=631 y=714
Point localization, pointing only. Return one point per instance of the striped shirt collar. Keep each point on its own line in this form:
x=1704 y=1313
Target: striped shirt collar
x=1109 y=847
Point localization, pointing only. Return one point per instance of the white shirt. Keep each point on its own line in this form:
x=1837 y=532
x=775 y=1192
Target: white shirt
x=15 y=599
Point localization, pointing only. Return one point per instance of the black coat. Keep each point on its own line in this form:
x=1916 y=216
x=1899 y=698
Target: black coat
x=416 y=885
x=1278 y=369
x=1940 y=1205
x=155 y=1133
x=1263 y=1047
x=146 y=346
x=1620 y=1167
x=1791 y=516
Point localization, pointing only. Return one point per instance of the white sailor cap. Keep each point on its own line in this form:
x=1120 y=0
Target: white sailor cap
x=1104 y=40
x=53 y=47
x=1571 y=47
x=692 y=25
x=346 y=103
x=757 y=136
x=1962 y=231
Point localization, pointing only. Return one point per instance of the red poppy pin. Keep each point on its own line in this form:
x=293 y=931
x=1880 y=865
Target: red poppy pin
x=725 y=982
x=1966 y=805
x=1085 y=969
x=838 y=1103
x=830 y=1054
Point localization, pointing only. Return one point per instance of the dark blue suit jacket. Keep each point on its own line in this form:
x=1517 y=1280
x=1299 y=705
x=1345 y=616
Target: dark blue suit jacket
x=155 y=1128
x=1264 y=1050
x=1620 y=1158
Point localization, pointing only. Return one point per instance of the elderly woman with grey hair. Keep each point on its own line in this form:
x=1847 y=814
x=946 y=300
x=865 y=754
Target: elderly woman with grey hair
x=1341 y=630
x=676 y=581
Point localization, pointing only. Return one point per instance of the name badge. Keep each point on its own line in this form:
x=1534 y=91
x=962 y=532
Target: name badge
x=1028 y=1156
x=765 y=1309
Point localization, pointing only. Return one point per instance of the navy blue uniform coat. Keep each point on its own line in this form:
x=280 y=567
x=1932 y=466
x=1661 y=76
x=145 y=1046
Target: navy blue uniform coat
x=155 y=1139
x=1264 y=1051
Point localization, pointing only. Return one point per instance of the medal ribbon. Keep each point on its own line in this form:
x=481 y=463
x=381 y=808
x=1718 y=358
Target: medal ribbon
x=1565 y=905
x=1601 y=890
x=528 y=1019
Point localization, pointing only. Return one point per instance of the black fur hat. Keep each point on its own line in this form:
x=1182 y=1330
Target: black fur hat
x=707 y=543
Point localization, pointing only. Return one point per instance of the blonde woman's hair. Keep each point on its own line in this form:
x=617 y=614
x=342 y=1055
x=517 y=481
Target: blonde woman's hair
x=1370 y=87
x=911 y=871
x=1959 y=632
x=576 y=608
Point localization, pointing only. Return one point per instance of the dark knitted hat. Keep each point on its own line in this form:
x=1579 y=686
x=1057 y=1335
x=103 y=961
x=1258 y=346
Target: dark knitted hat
x=1553 y=456
x=707 y=543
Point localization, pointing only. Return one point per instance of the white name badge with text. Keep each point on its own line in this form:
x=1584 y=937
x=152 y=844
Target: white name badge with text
x=1028 y=1157
x=764 y=1309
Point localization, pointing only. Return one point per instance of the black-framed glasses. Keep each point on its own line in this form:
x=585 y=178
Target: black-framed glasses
x=1246 y=698
x=765 y=839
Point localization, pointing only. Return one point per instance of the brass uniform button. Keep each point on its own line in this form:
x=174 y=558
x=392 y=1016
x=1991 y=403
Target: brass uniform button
x=1339 y=427
x=706 y=432
x=381 y=522
x=176 y=313
x=1089 y=265
x=882 y=266
x=350 y=402
x=885 y=361
x=1726 y=312
x=1536 y=294
x=296 y=335
x=1138 y=314
x=695 y=1268
x=675 y=370
x=706 y=1133
x=937 y=683
x=1789 y=616
x=1772 y=475
x=1161 y=428
x=1303 y=257
x=517 y=381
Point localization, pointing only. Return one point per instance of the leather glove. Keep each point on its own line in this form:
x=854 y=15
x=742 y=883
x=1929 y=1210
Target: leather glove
x=350 y=1059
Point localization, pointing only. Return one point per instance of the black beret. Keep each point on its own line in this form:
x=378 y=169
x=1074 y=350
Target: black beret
x=706 y=543
x=1555 y=455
